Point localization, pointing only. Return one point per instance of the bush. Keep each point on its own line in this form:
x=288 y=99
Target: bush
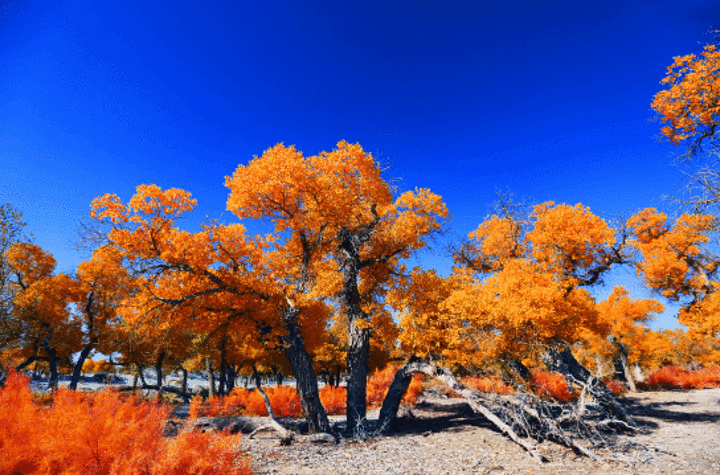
x=102 y=433
x=379 y=383
x=334 y=399
x=674 y=377
x=286 y=403
x=487 y=384
x=616 y=387
x=552 y=385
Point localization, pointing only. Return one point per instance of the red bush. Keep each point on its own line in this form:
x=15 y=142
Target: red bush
x=616 y=387
x=553 y=385
x=333 y=399
x=674 y=377
x=101 y=433
x=487 y=384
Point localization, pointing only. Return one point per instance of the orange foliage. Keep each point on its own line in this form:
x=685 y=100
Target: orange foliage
x=487 y=384
x=379 y=383
x=102 y=433
x=283 y=400
x=552 y=385
x=333 y=398
x=689 y=105
x=286 y=403
x=674 y=377
x=616 y=387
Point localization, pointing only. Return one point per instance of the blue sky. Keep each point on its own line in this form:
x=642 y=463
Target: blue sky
x=550 y=100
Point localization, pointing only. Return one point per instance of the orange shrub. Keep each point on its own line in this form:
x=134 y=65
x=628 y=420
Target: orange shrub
x=283 y=399
x=414 y=390
x=334 y=399
x=491 y=384
x=379 y=383
x=673 y=377
x=101 y=433
x=616 y=387
x=553 y=385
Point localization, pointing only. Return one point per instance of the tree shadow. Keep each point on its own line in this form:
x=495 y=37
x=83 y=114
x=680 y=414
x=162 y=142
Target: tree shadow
x=448 y=417
x=649 y=414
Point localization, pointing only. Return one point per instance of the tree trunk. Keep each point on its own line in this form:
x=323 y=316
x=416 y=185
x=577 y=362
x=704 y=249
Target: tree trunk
x=256 y=377
x=621 y=364
x=301 y=364
x=184 y=380
x=222 y=389
x=358 y=350
x=159 y=371
x=77 y=370
x=211 y=377
x=396 y=391
x=559 y=358
x=520 y=369
x=141 y=373
x=52 y=360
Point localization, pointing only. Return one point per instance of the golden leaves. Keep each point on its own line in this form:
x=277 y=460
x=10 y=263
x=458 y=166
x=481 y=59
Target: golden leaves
x=691 y=103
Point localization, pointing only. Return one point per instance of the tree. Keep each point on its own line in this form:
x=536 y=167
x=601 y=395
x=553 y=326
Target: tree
x=345 y=235
x=679 y=263
x=204 y=280
x=626 y=339
x=11 y=232
x=40 y=307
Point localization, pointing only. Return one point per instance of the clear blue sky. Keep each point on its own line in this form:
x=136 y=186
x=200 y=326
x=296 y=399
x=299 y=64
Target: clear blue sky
x=549 y=100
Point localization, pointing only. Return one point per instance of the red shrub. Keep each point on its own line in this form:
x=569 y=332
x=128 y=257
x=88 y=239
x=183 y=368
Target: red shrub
x=673 y=377
x=334 y=399
x=487 y=384
x=552 y=385
x=101 y=433
x=616 y=387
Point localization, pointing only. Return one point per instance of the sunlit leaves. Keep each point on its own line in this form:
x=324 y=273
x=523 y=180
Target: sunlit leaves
x=690 y=106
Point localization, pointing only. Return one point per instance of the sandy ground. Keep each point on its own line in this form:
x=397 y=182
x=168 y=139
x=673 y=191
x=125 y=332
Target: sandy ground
x=680 y=434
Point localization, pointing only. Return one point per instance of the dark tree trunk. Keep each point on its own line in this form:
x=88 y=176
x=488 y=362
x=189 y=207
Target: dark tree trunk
x=141 y=373
x=159 y=371
x=88 y=348
x=211 y=377
x=256 y=377
x=52 y=360
x=77 y=370
x=358 y=350
x=222 y=387
x=398 y=388
x=26 y=363
x=559 y=358
x=338 y=372
x=520 y=369
x=621 y=364
x=301 y=365
x=184 y=380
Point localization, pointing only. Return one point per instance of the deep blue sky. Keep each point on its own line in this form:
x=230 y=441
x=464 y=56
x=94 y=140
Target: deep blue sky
x=549 y=100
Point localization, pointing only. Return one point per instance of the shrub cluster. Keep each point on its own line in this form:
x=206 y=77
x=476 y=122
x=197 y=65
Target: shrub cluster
x=102 y=433
x=286 y=403
x=674 y=377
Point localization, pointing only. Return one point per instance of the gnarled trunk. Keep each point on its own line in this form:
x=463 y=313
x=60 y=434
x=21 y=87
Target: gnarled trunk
x=559 y=358
x=358 y=351
x=77 y=370
x=301 y=364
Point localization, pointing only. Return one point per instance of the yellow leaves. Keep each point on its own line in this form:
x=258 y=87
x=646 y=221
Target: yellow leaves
x=689 y=105
x=673 y=258
x=30 y=261
x=568 y=238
